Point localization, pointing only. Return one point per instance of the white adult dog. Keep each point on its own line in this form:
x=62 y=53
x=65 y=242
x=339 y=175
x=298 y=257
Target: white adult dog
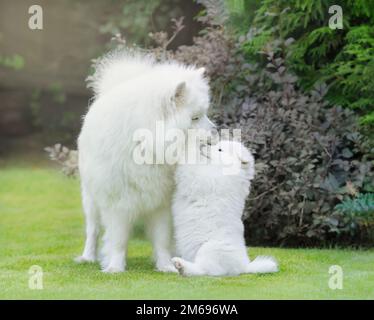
x=132 y=92
x=207 y=210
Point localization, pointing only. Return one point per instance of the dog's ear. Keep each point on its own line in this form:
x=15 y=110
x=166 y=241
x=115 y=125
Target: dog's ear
x=180 y=94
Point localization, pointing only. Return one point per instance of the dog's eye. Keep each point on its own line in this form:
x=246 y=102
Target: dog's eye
x=195 y=118
x=220 y=150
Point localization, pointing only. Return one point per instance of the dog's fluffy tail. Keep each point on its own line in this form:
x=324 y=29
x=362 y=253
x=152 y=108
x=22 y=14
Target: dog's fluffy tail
x=262 y=264
x=117 y=67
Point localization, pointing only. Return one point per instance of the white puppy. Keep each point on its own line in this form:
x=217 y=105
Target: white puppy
x=207 y=210
x=133 y=92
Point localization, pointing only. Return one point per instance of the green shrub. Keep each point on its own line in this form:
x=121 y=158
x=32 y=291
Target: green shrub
x=344 y=59
x=360 y=207
x=357 y=215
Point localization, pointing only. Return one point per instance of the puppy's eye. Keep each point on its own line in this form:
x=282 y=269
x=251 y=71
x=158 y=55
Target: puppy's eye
x=220 y=150
x=195 y=118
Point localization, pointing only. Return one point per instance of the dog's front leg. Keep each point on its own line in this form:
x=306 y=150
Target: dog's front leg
x=159 y=230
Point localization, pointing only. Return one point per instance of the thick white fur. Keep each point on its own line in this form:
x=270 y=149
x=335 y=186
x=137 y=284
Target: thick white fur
x=207 y=211
x=117 y=67
x=131 y=92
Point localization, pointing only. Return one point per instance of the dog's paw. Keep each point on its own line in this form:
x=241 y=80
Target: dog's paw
x=83 y=259
x=178 y=264
x=112 y=269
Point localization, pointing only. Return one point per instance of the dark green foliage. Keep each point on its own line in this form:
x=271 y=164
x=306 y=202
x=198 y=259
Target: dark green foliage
x=362 y=206
x=344 y=59
x=357 y=216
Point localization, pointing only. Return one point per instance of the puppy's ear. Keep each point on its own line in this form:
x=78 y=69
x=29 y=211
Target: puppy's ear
x=243 y=156
x=180 y=93
x=201 y=71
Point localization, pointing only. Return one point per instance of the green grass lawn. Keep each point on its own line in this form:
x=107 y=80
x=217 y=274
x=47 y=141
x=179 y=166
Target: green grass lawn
x=41 y=223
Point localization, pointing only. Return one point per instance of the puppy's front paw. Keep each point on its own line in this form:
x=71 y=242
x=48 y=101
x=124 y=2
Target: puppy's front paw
x=178 y=263
x=166 y=268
